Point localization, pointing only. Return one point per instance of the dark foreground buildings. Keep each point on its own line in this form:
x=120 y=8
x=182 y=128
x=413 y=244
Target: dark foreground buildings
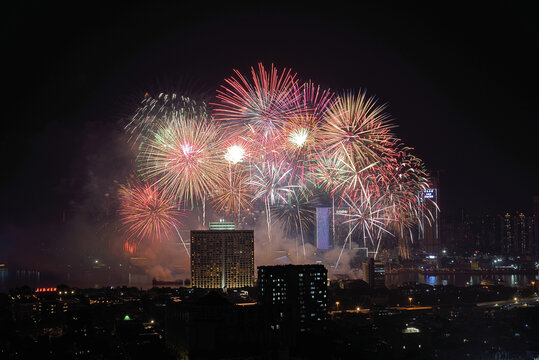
x=414 y=321
x=374 y=273
x=291 y=311
x=296 y=295
x=504 y=234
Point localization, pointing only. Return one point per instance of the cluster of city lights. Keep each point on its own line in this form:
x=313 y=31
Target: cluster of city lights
x=50 y=289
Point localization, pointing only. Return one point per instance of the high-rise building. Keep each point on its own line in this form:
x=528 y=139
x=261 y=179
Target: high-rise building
x=482 y=233
x=222 y=258
x=520 y=234
x=295 y=294
x=507 y=234
x=535 y=227
x=490 y=233
x=429 y=239
x=332 y=229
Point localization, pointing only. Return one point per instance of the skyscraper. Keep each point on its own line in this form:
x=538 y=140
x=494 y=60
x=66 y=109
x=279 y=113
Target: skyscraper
x=332 y=229
x=507 y=234
x=535 y=227
x=482 y=233
x=520 y=234
x=222 y=258
x=429 y=239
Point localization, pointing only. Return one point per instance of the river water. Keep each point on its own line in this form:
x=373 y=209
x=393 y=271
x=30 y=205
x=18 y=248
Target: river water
x=510 y=280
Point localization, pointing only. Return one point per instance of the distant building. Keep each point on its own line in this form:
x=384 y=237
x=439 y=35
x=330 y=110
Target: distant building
x=296 y=295
x=332 y=230
x=362 y=254
x=374 y=273
x=520 y=234
x=482 y=233
x=222 y=258
x=535 y=227
x=429 y=239
x=507 y=234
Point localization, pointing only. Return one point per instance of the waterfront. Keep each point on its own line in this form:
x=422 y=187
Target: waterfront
x=461 y=279
x=138 y=278
x=92 y=278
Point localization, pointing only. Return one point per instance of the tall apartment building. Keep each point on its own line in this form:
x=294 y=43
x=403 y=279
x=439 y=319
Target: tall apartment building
x=518 y=234
x=295 y=294
x=482 y=233
x=222 y=258
x=507 y=234
x=535 y=228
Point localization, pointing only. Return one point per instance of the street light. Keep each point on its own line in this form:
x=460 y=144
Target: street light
x=337 y=303
x=410 y=299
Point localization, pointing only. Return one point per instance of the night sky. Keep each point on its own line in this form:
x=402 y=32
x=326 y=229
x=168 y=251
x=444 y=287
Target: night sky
x=461 y=83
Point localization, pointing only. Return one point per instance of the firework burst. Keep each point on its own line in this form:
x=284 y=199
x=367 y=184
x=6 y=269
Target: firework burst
x=258 y=106
x=270 y=142
x=232 y=194
x=147 y=213
x=184 y=157
x=357 y=128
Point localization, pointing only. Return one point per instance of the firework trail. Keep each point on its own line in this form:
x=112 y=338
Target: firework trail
x=271 y=185
x=159 y=111
x=130 y=247
x=147 y=213
x=296 y=215
x=369 y=215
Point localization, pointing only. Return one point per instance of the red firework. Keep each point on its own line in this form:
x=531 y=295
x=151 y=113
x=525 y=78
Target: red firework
x=147 y=212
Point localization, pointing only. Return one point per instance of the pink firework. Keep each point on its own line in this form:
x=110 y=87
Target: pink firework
x=258 y=106
x=147 y=213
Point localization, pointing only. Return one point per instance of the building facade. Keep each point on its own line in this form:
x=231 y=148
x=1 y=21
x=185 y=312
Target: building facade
x=332 y=227
x=374 y=273
x=429 y=237
x=295 y=294
x=222 y=258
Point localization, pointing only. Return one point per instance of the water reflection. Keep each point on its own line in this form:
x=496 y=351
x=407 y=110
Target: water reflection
x=431 y=280
x=510 y=280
